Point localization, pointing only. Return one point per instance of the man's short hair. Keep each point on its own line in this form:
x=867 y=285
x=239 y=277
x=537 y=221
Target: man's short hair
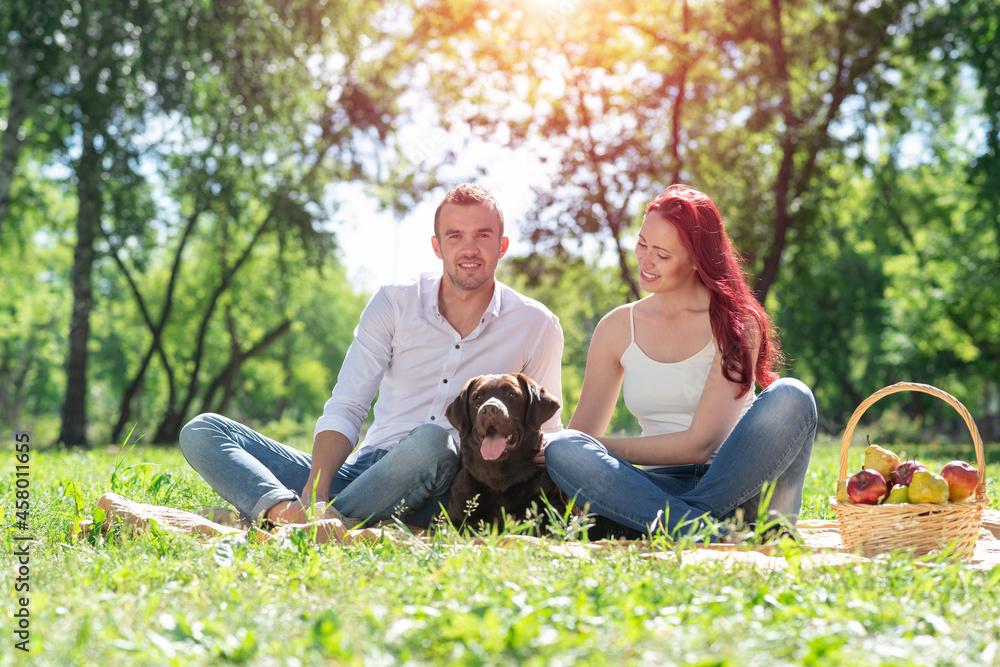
x=468 y=194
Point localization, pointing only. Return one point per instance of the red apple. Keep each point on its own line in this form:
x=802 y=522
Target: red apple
x=867 y=487
x=903 y=474
x=963 y=479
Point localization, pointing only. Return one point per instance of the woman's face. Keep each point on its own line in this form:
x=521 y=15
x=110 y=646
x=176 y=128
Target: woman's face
x=664 y=264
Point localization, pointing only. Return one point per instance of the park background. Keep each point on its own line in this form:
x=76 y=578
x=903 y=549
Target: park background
x=197 y=197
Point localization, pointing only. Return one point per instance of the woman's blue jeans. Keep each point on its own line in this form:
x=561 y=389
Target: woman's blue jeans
x=772 y=443
x=254 y=473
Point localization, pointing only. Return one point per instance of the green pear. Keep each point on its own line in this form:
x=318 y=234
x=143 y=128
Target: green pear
x=897 y=495
x=928 y=487
x=842 y=496
x=881 y=459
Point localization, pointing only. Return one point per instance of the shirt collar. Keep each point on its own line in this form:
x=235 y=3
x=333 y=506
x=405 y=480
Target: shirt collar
x=430 y=285
x=493 y=310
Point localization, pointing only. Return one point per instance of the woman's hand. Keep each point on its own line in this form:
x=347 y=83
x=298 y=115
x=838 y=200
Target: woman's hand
x=540 y=456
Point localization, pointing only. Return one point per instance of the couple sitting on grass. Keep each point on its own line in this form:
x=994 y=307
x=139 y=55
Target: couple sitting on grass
x=687 y=358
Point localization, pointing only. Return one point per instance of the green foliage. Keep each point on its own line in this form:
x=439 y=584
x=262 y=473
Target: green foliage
x=580 y=294
x=830 y=304
x=34 y=310
x=736 y=98
x=216 y=130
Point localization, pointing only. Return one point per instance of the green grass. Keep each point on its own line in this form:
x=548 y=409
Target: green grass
x=166 y=599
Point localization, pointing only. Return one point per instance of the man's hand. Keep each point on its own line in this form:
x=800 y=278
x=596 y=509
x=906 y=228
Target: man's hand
x=316 y=492
x=293 y=511
x=330 y=450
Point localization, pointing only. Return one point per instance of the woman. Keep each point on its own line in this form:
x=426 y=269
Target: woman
x=686 y=357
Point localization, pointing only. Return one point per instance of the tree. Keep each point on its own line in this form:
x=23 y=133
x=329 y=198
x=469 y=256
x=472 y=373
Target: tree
x=260 y=103
x=938 y=184
x=267 y=171
x=740 y=99
x=899 y=279
x=34 y=59
x=34 y=312
x=831 y=305
x=777 y=109
x=86 y=77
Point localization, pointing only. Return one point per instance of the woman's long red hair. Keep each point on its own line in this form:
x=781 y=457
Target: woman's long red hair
x=720 y=268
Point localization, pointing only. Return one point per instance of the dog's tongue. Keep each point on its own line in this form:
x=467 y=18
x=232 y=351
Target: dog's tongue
x=493 y=446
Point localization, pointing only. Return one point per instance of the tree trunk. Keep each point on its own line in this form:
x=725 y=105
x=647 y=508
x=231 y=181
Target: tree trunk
x=74 y=416
x=226 y=380
x=170 y=427
x=783 y=184
x=14 y=378
x=782 y=224
x=678 y=106
x=156 y=329
x=21 y=104
x=131 y=393
x=10 y=148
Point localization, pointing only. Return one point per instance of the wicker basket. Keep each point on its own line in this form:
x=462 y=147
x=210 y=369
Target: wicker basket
x=920 y=528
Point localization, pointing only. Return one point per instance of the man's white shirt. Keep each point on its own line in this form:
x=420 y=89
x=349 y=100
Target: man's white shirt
x=405 y=351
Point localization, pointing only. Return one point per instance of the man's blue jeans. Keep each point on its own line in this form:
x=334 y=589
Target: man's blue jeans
x=772 y=443
x=254 y=473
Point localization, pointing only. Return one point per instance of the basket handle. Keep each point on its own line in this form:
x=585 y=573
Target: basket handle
x=977 y=441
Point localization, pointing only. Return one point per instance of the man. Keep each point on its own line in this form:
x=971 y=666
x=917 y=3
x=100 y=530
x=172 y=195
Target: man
x=415 y=346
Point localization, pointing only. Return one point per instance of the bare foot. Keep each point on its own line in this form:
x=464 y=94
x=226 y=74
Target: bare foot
x=286 y=512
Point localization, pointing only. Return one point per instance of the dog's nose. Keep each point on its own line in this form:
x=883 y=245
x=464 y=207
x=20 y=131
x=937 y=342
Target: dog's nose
x=493 y=407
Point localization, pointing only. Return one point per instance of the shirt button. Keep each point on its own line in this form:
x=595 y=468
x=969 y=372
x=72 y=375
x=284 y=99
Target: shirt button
x=432 y=417
x=458 y=347
x=446 y=381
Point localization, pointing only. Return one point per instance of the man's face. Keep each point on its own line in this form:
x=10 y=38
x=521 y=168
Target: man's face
x=469 y=244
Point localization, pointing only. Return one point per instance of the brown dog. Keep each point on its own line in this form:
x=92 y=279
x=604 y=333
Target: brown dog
x=499 y=419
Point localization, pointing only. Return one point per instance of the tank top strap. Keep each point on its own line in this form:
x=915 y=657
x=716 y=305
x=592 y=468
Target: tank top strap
x=631 y=319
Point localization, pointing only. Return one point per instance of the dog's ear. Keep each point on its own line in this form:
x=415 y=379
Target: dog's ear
x=541 y=404
x=458 y=412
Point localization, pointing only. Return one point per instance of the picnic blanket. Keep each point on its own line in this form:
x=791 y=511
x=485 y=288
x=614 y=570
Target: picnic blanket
x=820 y=546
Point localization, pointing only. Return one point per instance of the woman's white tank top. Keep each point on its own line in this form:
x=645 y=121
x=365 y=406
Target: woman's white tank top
x=663 y=396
